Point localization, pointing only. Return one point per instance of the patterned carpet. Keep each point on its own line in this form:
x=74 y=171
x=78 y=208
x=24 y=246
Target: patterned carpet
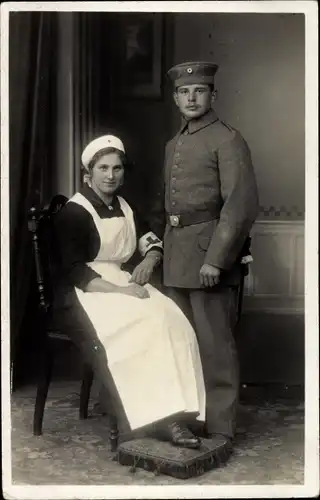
x=268 y=449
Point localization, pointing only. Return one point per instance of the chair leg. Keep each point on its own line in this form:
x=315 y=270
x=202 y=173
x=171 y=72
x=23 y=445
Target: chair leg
x=42 y=392
x=114 y=434
x=240 y=297
x=85 y=391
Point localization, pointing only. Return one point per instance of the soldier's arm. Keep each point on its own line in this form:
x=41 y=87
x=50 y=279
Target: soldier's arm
x=157 y=215
x=240 y=203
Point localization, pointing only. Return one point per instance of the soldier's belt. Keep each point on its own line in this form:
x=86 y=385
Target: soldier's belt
x=190 y=218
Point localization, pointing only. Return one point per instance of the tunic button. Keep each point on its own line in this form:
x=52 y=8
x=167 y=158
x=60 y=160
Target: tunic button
x=174 y=191
x=180 y=142
x=186 y=132
x=175 y=166
x=173 y=203
x=95 y=347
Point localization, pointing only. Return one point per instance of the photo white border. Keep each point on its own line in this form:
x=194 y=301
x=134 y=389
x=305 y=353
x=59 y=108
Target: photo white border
x=311 y=483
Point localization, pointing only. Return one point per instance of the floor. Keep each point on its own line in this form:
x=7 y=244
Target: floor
x=269 y=446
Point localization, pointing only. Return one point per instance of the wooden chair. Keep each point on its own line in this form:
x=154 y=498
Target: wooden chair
x=40 y=226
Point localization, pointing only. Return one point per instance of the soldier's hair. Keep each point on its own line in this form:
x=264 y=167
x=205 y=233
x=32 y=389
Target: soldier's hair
x=210 y=85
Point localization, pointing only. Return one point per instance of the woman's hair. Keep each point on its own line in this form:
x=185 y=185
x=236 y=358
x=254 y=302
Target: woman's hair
x=105 y=151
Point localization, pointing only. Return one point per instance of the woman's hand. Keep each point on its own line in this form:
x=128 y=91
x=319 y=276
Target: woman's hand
x=134 y=290
x=102 y=286
x=143 y=272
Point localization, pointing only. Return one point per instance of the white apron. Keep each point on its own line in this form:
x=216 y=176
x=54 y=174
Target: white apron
x=151 y=347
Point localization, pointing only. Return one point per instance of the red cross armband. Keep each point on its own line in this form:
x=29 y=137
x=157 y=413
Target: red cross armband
x=148 y=241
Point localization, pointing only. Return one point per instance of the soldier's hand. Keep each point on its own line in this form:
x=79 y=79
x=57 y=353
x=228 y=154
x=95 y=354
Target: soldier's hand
x=209 y=275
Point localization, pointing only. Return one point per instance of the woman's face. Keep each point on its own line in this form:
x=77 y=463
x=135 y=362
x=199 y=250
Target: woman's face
x=107 y=174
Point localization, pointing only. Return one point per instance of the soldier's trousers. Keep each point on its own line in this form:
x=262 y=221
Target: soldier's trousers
x=213 y=315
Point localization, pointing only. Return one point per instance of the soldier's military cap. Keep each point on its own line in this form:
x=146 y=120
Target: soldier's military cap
x=190 y=73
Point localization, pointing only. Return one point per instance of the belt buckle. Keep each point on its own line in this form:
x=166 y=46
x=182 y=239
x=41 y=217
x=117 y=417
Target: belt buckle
x=174 y=220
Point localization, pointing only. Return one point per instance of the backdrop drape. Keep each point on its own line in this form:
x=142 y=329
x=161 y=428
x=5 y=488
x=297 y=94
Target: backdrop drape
x=34 y=90
x=85 y=77
x=93 y=71
x=31 y=139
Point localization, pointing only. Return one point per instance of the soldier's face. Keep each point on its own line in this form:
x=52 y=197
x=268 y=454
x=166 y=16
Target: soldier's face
x=194 y=101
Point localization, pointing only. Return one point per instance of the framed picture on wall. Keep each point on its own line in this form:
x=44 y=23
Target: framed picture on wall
x=142 y=55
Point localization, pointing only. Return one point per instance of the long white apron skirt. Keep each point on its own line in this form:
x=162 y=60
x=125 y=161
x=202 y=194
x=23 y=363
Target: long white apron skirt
x=151 y=347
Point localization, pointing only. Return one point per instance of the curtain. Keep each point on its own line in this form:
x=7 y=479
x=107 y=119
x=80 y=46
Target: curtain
x=88 y=93
x=40 y=152
x=31 y=137
x=34 y=138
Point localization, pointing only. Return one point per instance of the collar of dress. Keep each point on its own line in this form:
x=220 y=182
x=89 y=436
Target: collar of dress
x=95 y=200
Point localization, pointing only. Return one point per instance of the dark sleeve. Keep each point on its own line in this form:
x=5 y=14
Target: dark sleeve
x=240 y=203
x=78 y=243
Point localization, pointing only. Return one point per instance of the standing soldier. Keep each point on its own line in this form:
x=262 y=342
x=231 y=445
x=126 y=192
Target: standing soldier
x=211 y=203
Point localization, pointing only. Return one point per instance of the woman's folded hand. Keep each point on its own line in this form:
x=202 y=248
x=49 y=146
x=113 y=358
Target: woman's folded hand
x=135 y=291
x=102 y=286
x=143 y=271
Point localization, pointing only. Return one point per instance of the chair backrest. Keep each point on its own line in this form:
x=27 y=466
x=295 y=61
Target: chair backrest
x=40 y=224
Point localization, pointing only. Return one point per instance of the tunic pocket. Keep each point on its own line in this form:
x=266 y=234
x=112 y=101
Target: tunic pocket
x=205 y=236
x=204 y=242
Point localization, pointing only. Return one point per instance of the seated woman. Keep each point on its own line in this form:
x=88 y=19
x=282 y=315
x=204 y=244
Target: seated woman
x=141 y=346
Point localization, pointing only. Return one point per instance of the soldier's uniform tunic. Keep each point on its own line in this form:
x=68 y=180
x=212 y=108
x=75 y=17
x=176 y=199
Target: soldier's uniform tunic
x=210 y=187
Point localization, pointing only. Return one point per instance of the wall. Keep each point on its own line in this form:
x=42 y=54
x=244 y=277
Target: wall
x=271 y=336
x=275 y=282
x=260 y=86
x=143 y=123
x=260 y=91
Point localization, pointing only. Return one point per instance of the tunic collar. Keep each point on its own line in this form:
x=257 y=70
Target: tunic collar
x=199 y=123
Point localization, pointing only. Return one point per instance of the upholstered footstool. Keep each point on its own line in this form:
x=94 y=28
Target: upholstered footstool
x=162 y=457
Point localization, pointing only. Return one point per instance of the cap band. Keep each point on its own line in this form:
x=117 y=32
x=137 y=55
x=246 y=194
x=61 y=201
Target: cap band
x=190 y=73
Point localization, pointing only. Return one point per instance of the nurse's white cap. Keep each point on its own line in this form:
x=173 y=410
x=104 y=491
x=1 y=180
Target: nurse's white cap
x=103 y=142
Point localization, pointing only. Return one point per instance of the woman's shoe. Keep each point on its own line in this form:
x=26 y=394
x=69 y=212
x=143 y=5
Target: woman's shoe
x=181 y=436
